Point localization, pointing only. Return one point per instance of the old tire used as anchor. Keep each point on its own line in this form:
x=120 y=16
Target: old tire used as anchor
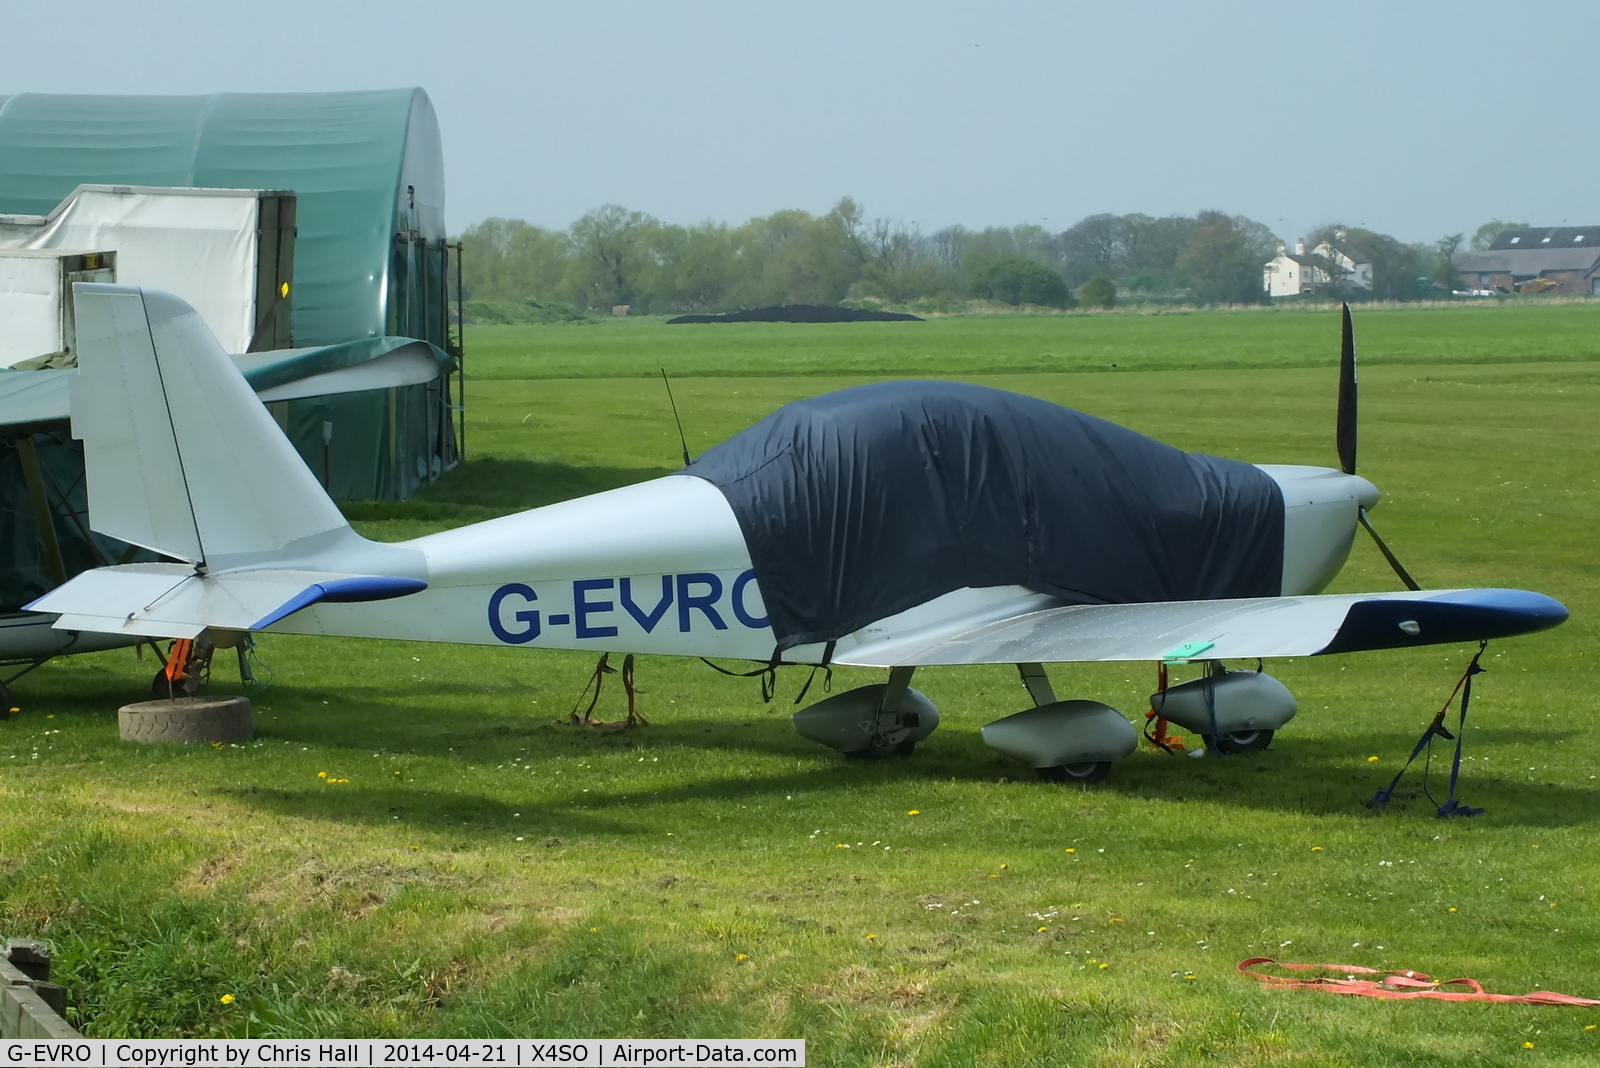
x=187 y=719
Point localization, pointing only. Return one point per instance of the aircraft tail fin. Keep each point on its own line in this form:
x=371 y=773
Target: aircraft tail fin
x=181 y=455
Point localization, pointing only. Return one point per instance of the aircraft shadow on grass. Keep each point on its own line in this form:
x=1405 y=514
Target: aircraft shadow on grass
x=1306 y=775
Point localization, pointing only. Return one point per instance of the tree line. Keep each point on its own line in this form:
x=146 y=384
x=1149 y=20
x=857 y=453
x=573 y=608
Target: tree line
x=614 y=256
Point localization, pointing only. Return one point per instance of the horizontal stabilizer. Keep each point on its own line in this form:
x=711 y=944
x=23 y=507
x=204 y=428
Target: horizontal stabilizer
x=1215 y=630
x=171 y=601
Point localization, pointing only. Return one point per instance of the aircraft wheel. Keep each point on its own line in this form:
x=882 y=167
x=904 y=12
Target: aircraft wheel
x=161 y=687
x=1086 y=772
x=1240 y=742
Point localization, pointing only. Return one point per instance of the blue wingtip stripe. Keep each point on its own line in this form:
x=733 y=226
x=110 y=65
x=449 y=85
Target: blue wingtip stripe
x=1446 y=618
x=343 y=591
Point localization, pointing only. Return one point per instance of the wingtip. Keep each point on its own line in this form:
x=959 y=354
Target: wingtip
x=1448 y=617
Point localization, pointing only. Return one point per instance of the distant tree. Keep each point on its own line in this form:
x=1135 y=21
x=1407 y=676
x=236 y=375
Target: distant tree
x=1146 y=244
x=1224 y=258
x=1098 y=292
x=690 y=268
x=948 y=245
x=609 y=244
x=509 y=260
x=1396 y=266
x=1015 y=280
x=1445 y=272
x=1089 y=246
x=1484 y=235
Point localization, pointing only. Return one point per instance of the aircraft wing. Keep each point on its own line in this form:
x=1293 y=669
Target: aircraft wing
x=172 y=601
x=1215 y=630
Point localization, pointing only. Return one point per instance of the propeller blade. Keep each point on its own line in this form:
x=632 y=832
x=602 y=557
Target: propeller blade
x=1394 y=562
x=1345 y=435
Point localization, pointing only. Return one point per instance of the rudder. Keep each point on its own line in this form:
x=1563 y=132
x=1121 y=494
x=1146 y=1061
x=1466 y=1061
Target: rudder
x=181 y=455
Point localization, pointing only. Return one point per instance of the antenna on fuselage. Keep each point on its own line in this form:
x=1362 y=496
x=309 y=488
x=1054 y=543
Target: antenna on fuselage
x=681 y=441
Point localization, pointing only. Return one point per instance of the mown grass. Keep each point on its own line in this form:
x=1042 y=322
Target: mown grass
x=488 y=871
x=1296 y=336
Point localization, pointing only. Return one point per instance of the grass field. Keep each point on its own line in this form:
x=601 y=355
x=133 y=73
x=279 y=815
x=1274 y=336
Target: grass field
x=1295 y=336
x=487 y=871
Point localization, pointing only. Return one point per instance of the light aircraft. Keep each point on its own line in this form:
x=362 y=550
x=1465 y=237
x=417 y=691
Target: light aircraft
x=890 y=526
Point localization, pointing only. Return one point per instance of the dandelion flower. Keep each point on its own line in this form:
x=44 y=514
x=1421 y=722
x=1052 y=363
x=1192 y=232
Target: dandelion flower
x=1591 y=1027
x=1452 y=908
x=1372 y=760
x=1316 y=849
x=872 y=938
x=741 y=958
x=914 y=812
x=1003 y=867
x=322 y=775
x=1105 y=966
x=594 y=930
x=1044 y=929
x=226 y=999
x=1527 y=1045
x=1071 y=850
x=415 y=848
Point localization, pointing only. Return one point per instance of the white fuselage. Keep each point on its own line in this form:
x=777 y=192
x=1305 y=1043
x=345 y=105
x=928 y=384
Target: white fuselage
x=662 y=567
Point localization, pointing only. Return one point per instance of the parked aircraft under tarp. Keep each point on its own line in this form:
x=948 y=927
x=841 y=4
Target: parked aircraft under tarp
x=183 y=459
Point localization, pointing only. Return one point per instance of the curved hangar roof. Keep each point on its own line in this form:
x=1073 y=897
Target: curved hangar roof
x=363 y=166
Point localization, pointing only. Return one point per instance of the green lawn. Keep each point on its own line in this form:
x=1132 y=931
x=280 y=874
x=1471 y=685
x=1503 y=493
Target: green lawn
x=487 y=871
x=1297 y=336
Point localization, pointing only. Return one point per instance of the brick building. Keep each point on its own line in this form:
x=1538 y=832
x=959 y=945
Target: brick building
x=1567 y=256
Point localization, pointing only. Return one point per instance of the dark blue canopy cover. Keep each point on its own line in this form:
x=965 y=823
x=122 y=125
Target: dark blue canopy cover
x=862 y=503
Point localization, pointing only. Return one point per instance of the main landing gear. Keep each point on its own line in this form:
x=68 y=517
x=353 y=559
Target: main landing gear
x=1071 y=741
x=871 y=722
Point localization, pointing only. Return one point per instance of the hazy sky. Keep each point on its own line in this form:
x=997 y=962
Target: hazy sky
x=1416 y=118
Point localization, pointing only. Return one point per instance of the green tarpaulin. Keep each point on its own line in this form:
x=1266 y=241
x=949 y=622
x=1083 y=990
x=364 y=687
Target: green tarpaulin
x=371 y=273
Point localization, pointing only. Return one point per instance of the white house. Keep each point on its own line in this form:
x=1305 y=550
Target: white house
x=1290 y=273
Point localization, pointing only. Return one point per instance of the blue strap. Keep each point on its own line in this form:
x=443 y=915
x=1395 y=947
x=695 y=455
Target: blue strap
x=1451 y=807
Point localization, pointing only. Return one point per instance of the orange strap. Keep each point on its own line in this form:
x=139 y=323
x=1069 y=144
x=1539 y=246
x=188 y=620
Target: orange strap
x=178 y=660
x=1159 y=737
x=1394 y=984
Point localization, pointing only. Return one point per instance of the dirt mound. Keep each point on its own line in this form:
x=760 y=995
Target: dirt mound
x=801 y=313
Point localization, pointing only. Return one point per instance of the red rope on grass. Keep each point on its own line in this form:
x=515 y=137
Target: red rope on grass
x=1394 y=985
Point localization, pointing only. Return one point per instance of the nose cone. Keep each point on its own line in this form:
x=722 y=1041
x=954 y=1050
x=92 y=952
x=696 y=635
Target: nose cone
x=1365 y=491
